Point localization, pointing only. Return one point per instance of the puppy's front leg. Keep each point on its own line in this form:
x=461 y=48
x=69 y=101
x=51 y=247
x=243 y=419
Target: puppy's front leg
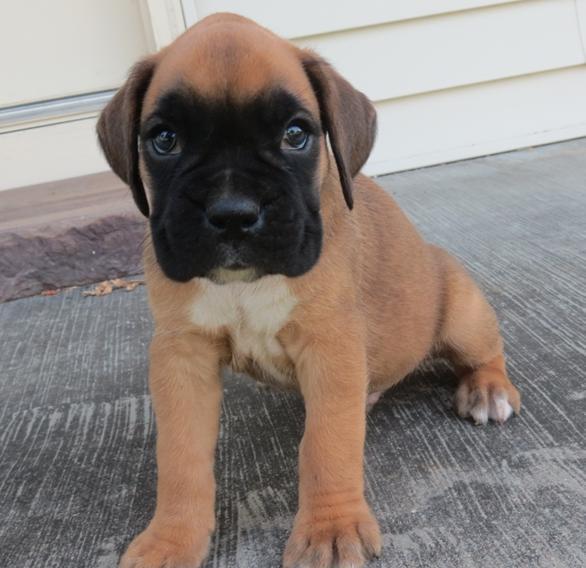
x=186 y=390
x=334 y=525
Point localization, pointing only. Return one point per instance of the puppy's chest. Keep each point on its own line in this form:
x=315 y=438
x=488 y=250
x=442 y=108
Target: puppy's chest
x=251 y=314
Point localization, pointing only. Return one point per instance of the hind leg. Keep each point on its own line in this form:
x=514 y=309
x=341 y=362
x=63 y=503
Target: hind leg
x=471 y=340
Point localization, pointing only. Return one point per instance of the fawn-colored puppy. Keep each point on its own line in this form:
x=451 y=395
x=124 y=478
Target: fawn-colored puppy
x=270 y=255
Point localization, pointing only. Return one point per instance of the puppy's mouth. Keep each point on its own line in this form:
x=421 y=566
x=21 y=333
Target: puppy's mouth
x=229 y=275
x=233 y=266
x=233 y=255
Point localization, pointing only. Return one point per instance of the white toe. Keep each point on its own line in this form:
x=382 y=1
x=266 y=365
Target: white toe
x=500 y=409
x=372 y=399
x=479 y=414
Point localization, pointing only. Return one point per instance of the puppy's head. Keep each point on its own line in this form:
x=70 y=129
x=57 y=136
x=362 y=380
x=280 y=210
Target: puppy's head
x=226 y=129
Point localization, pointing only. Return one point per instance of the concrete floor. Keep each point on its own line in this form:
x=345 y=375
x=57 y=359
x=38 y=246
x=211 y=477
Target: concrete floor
x=77 y=465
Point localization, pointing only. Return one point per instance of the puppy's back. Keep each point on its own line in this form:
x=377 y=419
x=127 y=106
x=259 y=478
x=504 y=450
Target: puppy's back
x=400 y=285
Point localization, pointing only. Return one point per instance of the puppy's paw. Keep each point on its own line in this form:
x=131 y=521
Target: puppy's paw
x=327 y=539
x=372 y=399
x=181 y=547
x=485 y=397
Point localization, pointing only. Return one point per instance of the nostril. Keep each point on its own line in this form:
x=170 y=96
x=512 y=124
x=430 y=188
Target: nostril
x=217 y=220
x=249 y=219
x=233 y=214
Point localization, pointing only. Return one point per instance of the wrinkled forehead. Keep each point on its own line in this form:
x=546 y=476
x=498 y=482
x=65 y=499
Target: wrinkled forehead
x=231 y=62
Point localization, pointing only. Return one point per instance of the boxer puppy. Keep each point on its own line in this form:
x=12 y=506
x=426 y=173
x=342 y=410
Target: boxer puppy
x=270 y=255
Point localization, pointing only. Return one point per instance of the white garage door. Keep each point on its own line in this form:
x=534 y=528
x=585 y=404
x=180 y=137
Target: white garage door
x=60 y=61
x=451 y=79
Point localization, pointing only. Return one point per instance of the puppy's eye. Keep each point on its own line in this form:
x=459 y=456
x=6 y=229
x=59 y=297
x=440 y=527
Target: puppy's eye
x=165 y=142
x=295 y=137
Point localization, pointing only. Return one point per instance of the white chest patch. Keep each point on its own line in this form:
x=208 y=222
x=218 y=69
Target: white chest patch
x=252 y=313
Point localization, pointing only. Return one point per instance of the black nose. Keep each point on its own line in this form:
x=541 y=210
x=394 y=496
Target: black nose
x=233 y=214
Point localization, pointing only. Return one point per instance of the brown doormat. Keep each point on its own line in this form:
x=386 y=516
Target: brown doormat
x=66 y=233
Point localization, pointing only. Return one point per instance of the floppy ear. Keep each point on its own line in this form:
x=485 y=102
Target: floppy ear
x=118 y=130
x=348 y=118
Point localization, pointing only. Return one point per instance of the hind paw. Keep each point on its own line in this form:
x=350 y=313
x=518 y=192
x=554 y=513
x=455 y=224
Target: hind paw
x=484 y=399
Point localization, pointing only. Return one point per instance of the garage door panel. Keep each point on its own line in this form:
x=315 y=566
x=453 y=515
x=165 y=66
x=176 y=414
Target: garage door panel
x=311 y=17
x=61 y=48
x=428 y=54
x=480 y=119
